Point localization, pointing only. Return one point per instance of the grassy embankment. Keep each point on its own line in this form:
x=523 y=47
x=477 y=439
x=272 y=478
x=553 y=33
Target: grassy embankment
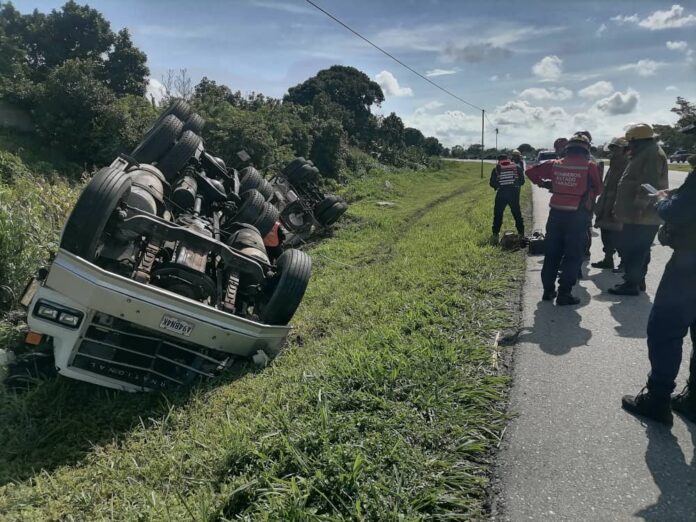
x=682 y=167
x=384 y=406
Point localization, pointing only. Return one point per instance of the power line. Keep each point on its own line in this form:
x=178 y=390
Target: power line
x=310 y=2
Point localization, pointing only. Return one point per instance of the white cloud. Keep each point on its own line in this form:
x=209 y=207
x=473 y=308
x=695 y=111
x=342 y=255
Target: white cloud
x=475 y=53
x=619 y=102
x=671 y=19
x=681 y=46
x=553 y=93
x=600 y=30
x=450 y=127
x=596 y=90
x=390 y=85
x=432 y=105
x=494 y=78
x=288 y=7
x=671 y=88
x=441 y=72
x=155 y=90
x=642 y=67
x=548 y=68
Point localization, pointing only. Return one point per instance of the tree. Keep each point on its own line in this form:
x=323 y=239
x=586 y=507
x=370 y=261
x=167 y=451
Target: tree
x=525 y=148
x=432 y=146
x=391 y=132
x=413 y=137
x=686 y=112
x=126 y=71
x=458 y=151
x=348 y=89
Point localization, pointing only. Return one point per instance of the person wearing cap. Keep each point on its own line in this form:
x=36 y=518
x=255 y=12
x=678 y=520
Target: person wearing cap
x=559 y=146
x=573 y=179
x=516 y=156
x=633 y=206
x=606 y=221
x=674 y=309
x=506 y=178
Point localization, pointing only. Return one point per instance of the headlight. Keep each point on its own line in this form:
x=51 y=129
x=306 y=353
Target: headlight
x=47 y=312
x=58 y=314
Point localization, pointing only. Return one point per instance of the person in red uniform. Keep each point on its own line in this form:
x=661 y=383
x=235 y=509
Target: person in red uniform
x=574 y=183
x=506 y=178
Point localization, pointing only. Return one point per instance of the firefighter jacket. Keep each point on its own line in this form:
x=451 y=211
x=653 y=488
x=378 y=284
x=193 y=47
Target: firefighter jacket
x=574 y=182
x=605 y=204
x=506 y=174
x=648 y=164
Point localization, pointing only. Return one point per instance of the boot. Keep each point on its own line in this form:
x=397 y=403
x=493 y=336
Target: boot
x=565 y=298
x=685 y=402
x=646 y=404
x=495 y=238
x=606 y=263
x=549 y=295
x=624 y=289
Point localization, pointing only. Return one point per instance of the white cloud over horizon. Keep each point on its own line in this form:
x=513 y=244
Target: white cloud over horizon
x=548 y=68
x=390 y=85
x=596 y=90
x=441 y=72
x=619 y=102
x=542 y=94
x=673 y=18
x=642 y=67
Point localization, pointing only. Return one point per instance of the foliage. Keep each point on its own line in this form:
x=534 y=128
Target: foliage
x=384 y=406
x=32 y=212
x=125 y=71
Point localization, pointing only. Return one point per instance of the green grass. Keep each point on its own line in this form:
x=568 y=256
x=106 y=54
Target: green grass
x=384 y=406
x=683 y=167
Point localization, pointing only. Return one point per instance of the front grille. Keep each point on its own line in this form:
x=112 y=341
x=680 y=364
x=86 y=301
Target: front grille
x=121 y=350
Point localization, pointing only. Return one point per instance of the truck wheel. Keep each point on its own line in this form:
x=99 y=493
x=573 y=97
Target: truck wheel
x=178 y=108
x=252 y=206
x=159 y=141
x=294 y=271
x=195 y=124
x=294 y=164
x=306 y=174
x=89 y=218
x=267 y=218
x=329 y=216
x=180 y=154
x=326 y=203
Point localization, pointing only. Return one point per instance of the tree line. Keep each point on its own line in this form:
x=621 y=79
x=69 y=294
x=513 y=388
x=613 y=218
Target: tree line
x=84 y=86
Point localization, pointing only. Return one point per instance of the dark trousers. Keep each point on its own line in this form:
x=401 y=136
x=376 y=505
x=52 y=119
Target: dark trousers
x=673 y=312
x=636 y=241
x=610 y=242
x=504 y=197
x=566 y=234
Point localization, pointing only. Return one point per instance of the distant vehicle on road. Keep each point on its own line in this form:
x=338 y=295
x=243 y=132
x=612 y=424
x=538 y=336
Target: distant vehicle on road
x=679 y=156
x=546 y=155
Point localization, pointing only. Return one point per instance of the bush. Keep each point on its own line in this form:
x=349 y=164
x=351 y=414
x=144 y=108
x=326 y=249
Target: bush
x=329 y=147
x=32 y=213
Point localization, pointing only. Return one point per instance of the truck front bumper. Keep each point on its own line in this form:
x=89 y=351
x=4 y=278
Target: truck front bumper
x=136 y=337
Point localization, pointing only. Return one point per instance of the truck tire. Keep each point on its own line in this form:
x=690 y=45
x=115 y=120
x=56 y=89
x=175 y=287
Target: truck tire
x=252 y=206
x=329 y=216
x=178 y=108
x=326 y=203
x=306 y=174
x=179 y=155
x=195 y=123
x=294 y=164
x=294 y=271
x=266 y=219
x=95 y=206
x=159 y=141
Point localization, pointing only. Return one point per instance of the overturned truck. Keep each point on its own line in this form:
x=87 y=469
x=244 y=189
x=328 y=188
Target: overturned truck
x=167 y=271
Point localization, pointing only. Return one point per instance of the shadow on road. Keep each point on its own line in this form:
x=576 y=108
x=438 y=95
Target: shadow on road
x=557 y=329
x=673 y=475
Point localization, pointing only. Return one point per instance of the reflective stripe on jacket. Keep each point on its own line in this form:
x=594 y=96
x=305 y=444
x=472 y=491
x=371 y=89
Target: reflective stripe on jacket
x=574 y=179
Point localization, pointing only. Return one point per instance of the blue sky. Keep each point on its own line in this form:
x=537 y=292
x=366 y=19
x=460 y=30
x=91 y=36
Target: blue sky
x=541 y=69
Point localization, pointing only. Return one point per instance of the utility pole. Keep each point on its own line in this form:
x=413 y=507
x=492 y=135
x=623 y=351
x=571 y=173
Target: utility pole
x=483 y=114
x=496 y=139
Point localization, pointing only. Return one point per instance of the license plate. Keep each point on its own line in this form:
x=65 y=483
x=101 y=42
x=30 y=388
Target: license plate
x=29 y=292
x=176 y=325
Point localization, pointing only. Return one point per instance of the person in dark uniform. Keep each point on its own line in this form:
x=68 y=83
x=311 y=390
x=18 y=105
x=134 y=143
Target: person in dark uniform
x=574 y=181
x=673 y=312
x=506 y=178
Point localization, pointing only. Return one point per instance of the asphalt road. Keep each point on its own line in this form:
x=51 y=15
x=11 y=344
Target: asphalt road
x=571 y=452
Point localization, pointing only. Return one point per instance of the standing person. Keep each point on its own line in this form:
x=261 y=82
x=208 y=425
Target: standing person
x=506 y=178
x=573 y=178
x=647 y=164
x=606 y=221
x=673 y=312
x=559 y=146
x=518 y=159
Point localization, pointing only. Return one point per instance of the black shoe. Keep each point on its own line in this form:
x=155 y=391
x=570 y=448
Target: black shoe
x=566 y=298
x=648 y=405
x=685 y=404
x=624 y=289
x=549 y=295
x=642 y=286
x=606 y=263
